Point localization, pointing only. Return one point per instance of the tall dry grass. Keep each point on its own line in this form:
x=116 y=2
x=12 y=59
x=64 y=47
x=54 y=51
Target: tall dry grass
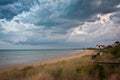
x=75 y=69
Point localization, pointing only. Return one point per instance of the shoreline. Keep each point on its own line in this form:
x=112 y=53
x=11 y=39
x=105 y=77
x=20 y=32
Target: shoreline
x=49 y=61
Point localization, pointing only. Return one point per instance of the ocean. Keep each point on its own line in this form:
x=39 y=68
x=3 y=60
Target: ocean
x=12 y=57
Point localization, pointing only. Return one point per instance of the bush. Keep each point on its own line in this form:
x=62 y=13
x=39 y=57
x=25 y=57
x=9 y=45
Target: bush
x=115 y=51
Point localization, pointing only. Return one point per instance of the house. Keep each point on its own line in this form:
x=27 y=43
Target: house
x=100 y=46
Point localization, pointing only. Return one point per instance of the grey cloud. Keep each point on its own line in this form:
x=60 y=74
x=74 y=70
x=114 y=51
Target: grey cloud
x=79 y=10
x=5 y=2
x=116 y=17
x=54 y=22
x=11 y=8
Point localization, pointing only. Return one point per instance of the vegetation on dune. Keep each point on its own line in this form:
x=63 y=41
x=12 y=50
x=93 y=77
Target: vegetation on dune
x=115 y=51
x=75 y=69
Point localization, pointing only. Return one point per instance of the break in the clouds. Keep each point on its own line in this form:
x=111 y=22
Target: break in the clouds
x=58 y=23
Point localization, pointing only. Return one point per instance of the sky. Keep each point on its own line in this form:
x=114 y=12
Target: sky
x=58 y=24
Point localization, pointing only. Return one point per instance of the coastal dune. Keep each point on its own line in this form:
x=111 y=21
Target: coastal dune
x=51 y=61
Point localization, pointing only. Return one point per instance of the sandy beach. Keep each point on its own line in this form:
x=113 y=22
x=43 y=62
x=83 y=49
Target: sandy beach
x=20 y=66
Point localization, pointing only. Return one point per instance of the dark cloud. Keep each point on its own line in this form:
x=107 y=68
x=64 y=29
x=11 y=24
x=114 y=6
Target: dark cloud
x=5 y=2
x=78 y=9
x=52 y=22
x=11 y=8
x=84 y=9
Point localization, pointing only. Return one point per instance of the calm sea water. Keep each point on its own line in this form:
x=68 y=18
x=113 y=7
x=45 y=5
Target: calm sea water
x=11 y=57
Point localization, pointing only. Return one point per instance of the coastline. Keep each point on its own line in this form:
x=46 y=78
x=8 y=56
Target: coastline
x=51 y=61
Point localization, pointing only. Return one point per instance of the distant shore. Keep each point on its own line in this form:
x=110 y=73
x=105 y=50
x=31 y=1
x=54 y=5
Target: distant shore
x=20 y=66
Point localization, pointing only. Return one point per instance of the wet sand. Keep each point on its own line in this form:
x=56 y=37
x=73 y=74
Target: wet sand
x=20 y=66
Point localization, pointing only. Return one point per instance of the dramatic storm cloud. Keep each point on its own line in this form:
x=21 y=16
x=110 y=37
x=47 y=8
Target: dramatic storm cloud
x=58 y=23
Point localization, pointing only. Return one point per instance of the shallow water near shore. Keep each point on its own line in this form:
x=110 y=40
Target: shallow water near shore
x=11 y=57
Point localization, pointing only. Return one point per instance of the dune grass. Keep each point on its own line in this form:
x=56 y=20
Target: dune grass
x=74 y=69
